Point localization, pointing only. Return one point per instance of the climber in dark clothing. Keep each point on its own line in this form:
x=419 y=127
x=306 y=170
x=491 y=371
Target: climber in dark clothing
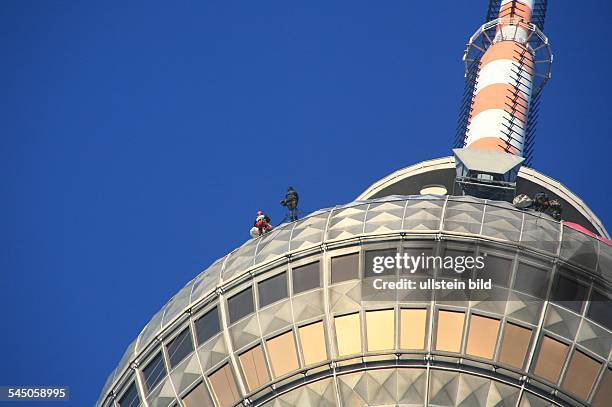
x=291 y=202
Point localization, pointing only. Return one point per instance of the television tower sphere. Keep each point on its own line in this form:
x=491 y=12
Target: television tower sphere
x=294 y=317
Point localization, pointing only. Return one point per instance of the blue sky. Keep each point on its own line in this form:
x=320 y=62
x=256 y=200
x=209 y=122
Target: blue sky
x=138 y=140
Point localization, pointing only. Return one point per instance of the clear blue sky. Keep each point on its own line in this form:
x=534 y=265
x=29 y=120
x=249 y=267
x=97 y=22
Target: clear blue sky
x=138 y=140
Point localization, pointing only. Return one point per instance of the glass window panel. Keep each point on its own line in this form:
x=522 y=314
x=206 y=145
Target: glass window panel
x=568 y=293
x=380 y=326
x=198 y=397
x=130 y=397
x=312 y=338
x=240 y=305
x=449 y=331
x=532 y=280
x=581 y=375
x=423 y=252
x=482 y=336
x=254 y=367
x=282 y=353
x=604 y=393
x=154 y=371
x=272 y=289
x=370 y=255
x=207 y=326
x=348 y=334
x=459 y=253
x=412 y=328
x=224 y=387
x=600 y=309
x=550 y=359
x=344 y=268
x=179 y=348
x=514 y=345
x=498 y=269
x=306 y=278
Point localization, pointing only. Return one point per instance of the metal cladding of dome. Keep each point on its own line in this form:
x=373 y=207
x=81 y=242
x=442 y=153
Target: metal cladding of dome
x=364 y=225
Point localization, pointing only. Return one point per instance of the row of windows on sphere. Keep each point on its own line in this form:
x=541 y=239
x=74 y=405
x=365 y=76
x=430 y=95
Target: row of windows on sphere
x=524 y=275
x=530 y=279
x=455 y=332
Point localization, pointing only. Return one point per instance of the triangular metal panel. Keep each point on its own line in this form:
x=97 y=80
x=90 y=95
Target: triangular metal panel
x=245 y=332
x=540 y=233
x=186 y=373
x=595 y=338
x=422 y=215
x=382 y=387
x=353 y=389
x=275 y=317
x=207 y=281
x=384 y=217
x=212 y=353
x=345 y=297
x=308 y=232
x=502 y=223
x=502 y=395
x=443 y=388
x=531 y=400
x=240 y=260
x=273 y=244
x=308 y=305
x=463 y=217
x=162 y=396
x=346 y=223
x=561 y=322
x=177 y=305
x=524 y=308
x=472 y=391
x=411 y=386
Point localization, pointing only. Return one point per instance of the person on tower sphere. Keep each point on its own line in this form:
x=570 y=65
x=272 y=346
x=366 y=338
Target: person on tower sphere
x=262 y=223
x=291 y=202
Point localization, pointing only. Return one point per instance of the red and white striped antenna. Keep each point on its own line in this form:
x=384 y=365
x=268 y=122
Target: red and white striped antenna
x=507 y=63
